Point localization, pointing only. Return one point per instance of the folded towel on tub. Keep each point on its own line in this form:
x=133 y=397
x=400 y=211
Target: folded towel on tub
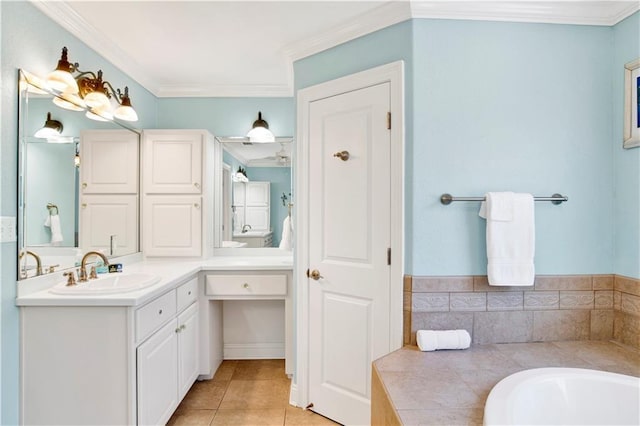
x=433 y=340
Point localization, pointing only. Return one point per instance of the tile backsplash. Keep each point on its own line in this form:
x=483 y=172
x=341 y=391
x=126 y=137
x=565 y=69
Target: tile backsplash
x=560 y=307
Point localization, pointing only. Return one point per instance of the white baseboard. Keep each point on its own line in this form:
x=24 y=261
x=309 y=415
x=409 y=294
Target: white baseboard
x=254 y=350
x=293 y=395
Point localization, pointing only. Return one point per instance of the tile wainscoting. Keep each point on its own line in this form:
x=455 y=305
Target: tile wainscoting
x=555 y=308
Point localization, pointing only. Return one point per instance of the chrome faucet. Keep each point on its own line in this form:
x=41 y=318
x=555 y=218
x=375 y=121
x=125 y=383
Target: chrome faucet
x=82 y=274
x=37 y=258
x=244 y=228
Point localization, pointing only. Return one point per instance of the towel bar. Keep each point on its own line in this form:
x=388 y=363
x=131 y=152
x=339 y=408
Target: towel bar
x=556 y=199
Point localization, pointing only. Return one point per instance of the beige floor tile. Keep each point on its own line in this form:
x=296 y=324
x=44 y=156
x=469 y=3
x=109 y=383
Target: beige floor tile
x=298 y=417
x=260 y=369
x=273 y=416
x=191 y=417
x=206 y=394
x=256 y=394
x=225 y=371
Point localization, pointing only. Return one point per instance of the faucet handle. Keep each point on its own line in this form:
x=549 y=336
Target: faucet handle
x=71 y=280
x=82 y=275
x=52 y=268
x=93 y=274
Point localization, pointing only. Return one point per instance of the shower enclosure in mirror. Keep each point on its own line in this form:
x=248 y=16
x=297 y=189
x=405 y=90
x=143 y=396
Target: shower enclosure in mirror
x=257 y=192
x=61 y=217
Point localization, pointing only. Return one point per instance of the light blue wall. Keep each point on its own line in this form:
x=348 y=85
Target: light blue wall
x=626 y=162
x=387 y=45
x=226 y=116
x=512 y=107
x=32 y=41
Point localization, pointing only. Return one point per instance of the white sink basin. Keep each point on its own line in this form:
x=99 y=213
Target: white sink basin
x=108 y=284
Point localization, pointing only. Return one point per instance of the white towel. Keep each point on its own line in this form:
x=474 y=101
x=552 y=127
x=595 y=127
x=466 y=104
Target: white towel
x=286 y=242
x=53 y=222
x=510 y=238
x=432 y=340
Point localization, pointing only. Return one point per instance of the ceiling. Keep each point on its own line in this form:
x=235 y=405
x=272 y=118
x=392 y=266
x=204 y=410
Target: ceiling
x=247 y=48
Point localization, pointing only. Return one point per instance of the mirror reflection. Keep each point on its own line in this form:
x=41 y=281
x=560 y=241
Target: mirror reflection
x=257 y=195
x=50 y=236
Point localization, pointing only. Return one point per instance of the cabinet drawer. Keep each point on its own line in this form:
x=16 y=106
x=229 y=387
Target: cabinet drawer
x=187 y=293
x=246 y=285
x=154 y=314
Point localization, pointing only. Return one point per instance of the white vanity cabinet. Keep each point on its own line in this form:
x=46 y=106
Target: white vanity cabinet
x=257 y=315
x=178 y=180
x=108 y=217
x=109 y=364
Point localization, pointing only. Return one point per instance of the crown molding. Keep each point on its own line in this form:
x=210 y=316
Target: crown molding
x=61 y=13
x=226 y=91
x=374 y=20
x=604 y=13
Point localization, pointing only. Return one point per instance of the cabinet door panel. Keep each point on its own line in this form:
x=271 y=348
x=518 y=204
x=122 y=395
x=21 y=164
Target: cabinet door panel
x=158 y=376
x=258 y=193
x=173 y=162
x=109 y=162
x=173 y=226
x=187 y=349
x=258 y=218
x=104 y=216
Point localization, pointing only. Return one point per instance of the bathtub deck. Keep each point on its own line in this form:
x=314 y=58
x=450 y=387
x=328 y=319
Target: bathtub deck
x=451 y=387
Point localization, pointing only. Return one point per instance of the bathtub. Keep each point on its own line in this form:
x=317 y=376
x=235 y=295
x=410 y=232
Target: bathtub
x=564 y=396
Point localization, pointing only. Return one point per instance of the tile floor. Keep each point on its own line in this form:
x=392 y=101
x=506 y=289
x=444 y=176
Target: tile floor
x=252 y=392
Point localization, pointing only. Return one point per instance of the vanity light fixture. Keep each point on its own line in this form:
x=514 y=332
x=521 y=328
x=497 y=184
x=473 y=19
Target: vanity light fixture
x=260 y=132
x=61 y=79
x=50 y=129
x=88 y=90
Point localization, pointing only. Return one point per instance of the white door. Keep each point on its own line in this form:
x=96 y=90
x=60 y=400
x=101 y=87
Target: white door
x=349 y=235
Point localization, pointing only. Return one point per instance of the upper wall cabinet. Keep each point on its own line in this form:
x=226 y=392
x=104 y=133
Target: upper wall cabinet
x=109 y=162
x=108 y=216
x=178 y=189
x=173 y=161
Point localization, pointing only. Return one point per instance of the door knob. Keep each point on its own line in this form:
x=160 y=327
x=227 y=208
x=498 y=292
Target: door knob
x=343 y=155
x=315 y=274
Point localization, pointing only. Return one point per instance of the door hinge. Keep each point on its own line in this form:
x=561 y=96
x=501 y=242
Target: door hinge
x=389 y=120
x=389 y=256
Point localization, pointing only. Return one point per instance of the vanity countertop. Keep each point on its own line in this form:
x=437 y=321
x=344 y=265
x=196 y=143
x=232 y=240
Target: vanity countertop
x=173 y=272
x=252 y=234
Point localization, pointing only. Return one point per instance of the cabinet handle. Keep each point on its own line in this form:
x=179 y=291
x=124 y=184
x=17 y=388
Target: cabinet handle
x=196 y=205
x=197 y=185
x=160 y=312
x=84 y=205
x=182 y=327
x=245 y=285
x=84 y=185
x=189 y=293
x=178 y=330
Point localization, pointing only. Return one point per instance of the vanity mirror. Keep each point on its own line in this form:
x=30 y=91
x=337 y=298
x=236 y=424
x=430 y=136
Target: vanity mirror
x=51 y=230
x=256 y=192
